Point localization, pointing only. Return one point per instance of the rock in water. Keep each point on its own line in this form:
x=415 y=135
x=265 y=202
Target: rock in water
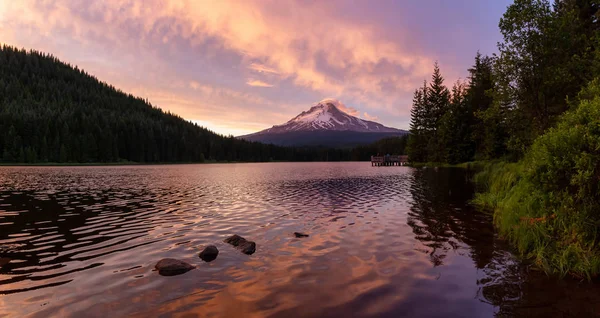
x=234 y=240
x=300 y=234
x=245 y=246
x=172 y=267
x=209 y=253
x=4 y=261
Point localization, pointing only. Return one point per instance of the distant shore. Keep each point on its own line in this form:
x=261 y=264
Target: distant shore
x=129 y=163
x=92 y=164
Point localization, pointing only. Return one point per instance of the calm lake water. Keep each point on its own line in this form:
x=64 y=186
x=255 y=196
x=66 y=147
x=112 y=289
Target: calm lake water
x=384 y=242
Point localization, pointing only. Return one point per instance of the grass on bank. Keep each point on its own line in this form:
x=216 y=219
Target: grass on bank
x=548 y=204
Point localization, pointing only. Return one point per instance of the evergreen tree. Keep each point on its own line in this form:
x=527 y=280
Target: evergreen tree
x=438 y=99
x=430 y=103
x=487 y=131
x=548 y=54
x=455 y=131
x=417 y=143
x=437 y=102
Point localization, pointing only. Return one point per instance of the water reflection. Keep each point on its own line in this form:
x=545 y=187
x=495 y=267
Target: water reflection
x=384 y=242
x=442 y=219
x=445 y=224
x=53 y=234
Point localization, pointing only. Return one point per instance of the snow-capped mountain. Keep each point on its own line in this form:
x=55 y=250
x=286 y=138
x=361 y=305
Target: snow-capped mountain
x=326 y=115
x=326 y=124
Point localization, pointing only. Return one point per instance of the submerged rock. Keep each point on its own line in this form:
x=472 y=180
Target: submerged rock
x=234 y=240
x=248 y=247
x=245 y=246
x=172 y=267
x=300 y=234
x=4 y=261
x=209 y=253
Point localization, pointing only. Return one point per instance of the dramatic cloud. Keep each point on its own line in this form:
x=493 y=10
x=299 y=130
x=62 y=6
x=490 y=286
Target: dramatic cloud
x=262 y=68
x=341 y=106
x=215 y=55
x=349 y=110
x=369 y=117
x=259 y=83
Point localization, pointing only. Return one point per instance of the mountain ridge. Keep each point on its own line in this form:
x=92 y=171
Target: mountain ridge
x=324 y=124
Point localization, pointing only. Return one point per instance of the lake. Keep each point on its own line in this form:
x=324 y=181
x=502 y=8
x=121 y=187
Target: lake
x=384 y=242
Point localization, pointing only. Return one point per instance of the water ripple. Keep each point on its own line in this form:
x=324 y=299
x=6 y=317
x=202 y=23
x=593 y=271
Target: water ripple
x=390 y=241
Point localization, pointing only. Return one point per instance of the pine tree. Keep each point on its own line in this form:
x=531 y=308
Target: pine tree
x=437 y=102
x=21 y=156
x=455 y=129
x=417 y=142
x=417 y=111
x=63 y=156
x=487 y=136
x=438 y=98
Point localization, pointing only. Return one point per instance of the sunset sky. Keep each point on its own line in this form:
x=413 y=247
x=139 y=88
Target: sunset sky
x=237 y=67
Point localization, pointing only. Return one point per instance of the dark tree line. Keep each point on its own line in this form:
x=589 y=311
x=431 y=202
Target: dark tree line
x=451 y=125
x=53 y=112
x=549 y=53
x=385 y=146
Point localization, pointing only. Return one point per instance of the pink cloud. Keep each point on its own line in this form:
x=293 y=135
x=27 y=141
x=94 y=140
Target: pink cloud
x=341 y=106
x=369 y=117
x=291 y=46
x=262 y=68
x=258 y=29
x=258 y=83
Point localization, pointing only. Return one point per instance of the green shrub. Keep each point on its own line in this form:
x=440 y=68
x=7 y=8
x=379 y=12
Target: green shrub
x=548 y=204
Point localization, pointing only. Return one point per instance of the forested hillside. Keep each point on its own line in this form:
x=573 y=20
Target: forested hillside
x=53 y=112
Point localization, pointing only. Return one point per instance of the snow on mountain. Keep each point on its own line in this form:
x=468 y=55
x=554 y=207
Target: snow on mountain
x=325 y=124
x=327 y=116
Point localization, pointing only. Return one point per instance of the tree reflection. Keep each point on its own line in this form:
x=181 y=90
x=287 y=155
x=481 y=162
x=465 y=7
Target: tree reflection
x=441 y=218
x=443 y=221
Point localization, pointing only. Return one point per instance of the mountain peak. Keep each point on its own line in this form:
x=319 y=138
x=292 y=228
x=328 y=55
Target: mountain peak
x=324 y=120
x=322 y=113
x=328 y=115
x=330 y=102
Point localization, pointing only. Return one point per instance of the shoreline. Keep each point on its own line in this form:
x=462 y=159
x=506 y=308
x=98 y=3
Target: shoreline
x=109 y=164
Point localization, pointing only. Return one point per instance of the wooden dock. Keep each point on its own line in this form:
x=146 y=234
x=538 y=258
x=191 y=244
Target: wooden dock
x=381 y=161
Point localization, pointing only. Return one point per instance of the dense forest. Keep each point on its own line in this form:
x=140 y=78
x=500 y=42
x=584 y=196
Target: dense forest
x=549 y=53
x=53 y=112
x=531 y=115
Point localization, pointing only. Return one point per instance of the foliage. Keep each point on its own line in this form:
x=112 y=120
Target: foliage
x=419 y=133
x=450 y=127
x=548 y=54
x=488 y=123
x=455 y=133
x=390 y=145
x=430 y=105
x=547 y=204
